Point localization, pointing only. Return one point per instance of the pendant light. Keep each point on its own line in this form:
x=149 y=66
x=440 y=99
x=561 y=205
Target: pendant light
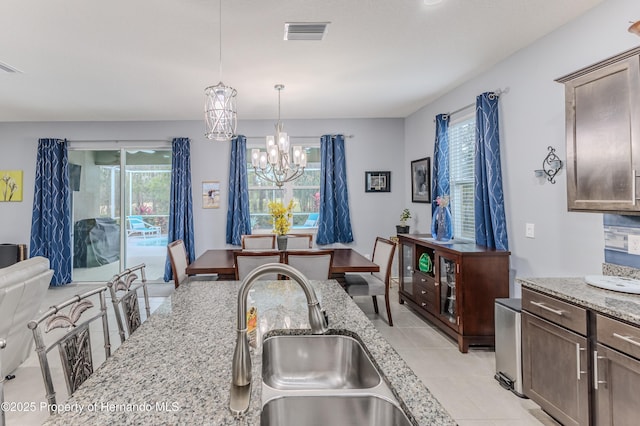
x=220 y=113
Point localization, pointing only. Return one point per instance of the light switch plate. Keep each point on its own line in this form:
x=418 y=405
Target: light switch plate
x=530 y=230
x=633 y=244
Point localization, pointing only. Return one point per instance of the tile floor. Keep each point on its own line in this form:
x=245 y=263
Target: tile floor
x=463 y=383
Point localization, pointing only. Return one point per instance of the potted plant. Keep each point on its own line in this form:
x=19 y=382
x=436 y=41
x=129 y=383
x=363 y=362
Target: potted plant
x=281 y=219
x=403 y=228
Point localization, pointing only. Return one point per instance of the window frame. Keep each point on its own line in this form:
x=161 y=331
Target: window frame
x=287 y=189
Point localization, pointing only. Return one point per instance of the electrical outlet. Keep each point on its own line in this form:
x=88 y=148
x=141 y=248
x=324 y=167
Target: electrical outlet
x=530 y=230
x=633 y=244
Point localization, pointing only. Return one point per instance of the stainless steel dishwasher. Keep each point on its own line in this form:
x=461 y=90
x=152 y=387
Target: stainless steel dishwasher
x=509 y=344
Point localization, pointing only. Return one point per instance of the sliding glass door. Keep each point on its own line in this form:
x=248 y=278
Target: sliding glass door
x=120 y=208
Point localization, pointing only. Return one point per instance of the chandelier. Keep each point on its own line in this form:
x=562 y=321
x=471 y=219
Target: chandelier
x=278 y=164
x=220 y=114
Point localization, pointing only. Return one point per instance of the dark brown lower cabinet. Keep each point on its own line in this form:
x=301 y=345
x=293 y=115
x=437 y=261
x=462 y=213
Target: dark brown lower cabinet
x=616 y=373
x=555 y=370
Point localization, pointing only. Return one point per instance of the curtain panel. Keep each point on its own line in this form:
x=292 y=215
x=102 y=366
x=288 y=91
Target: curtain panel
x=181 y=202
x=334 y=220
x=51 y=219
x=238 y=218
x=490 y=217
x=440 y=180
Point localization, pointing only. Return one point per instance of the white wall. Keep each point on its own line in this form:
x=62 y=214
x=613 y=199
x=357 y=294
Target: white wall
x=377 y=145
x=532 y=118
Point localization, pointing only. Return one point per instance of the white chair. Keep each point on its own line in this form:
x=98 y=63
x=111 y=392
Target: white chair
x=75 y=343
x=124 y=295
x=315 y=265
x=299 y=241
x=179 y=262
x=259 y=242
x=375 y=283
x=246 y=261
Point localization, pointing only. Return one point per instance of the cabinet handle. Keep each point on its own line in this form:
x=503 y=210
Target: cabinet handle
x=437 y=283
x=633 y=186
x=546 y=308
x=423 y=292
x=627 y=339
x=596 y=382
x=424 y=304
x=423 y=279
x=578 y=370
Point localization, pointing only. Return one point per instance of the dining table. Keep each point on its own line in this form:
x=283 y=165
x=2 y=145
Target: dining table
x=220 y=262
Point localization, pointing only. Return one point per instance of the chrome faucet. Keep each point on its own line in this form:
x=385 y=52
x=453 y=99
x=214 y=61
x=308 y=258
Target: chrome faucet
x=241 y=364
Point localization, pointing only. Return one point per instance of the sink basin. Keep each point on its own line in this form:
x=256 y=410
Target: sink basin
x=332 y=410
x=312 y=362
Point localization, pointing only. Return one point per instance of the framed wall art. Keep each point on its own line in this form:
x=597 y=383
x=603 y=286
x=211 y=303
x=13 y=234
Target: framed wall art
x=10 y=185
x=421 y=180
x=377 y=181
x=211 y=194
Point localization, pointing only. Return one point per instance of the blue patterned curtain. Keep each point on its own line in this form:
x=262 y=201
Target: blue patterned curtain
x=51 y=220
x=335 y=222
x=181 y=202
x=491 y=224
x=238 y=219
x=440 y=180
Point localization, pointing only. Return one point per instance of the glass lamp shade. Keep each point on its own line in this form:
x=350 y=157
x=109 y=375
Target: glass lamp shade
x=220 y=112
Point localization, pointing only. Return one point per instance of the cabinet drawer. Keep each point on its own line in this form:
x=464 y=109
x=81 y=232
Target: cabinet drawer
x=565 y=314
x=618 y=335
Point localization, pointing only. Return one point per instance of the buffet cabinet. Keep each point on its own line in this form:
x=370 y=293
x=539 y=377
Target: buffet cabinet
x=580 y=366
x=454 y=286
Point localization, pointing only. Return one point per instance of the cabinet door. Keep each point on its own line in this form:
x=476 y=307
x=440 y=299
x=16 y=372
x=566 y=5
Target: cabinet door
x=554 y=364
x=617 y=387
x=406 y=260
x=603 y=137
x=447 y=280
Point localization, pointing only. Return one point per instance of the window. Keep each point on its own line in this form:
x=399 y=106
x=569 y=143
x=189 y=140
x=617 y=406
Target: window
x=461 y=176
x=304 y=191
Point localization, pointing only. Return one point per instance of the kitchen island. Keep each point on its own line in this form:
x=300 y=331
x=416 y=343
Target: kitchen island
x=176 y=369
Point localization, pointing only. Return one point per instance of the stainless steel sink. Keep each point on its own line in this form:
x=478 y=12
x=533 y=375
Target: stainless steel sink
x=332 y=410
x=311 y=362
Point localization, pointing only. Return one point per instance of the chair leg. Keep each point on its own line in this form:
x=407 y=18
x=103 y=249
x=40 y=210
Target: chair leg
x=386 y=301
x=375 y=304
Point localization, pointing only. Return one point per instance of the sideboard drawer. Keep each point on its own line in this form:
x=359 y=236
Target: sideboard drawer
x=562 y=313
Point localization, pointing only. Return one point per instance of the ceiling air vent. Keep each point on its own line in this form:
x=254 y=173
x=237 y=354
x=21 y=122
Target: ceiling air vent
x=305 y=30
x=7 y=68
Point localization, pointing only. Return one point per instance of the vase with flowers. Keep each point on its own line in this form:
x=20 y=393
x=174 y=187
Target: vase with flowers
x=441 y=227
x=281 y=219
x=403 y=228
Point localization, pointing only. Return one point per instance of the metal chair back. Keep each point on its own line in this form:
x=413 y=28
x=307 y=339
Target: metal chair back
x=124 y=295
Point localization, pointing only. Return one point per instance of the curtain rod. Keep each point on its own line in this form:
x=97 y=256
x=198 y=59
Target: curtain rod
x=496 y=92
x=118 y=140
x=298 y=137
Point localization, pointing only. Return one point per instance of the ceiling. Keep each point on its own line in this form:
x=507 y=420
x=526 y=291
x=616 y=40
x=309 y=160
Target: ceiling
x=82 y=60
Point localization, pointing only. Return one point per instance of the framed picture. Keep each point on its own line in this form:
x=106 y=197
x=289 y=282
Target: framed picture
x=377 y=181
x=10 y=185
x=211 y=194
x=421 y=180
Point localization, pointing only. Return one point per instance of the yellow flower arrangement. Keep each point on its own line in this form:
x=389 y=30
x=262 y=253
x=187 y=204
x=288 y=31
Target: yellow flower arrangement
x=281 y=216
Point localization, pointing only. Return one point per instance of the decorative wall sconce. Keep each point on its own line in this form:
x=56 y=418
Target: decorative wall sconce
x=551 y=165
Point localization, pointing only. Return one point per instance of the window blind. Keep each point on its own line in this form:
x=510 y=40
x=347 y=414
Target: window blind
x=461 y=175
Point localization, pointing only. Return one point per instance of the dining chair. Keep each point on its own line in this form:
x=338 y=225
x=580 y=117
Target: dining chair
x=299 y=241
x=73 y=339
x=375 y=283
x=314 y=264
x=259 y=241
x=3 y=343
x=246 y=261
x=124 y=295
x=179 y=262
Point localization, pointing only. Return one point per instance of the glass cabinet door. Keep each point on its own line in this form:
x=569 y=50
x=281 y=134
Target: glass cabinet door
x=447 y=273
x=406 y=265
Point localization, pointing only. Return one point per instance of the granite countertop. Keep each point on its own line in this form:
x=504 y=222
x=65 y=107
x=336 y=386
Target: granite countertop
x=176 y=369
x=576 y=290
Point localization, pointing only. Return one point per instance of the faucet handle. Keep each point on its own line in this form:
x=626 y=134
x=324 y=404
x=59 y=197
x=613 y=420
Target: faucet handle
x=326 y=317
